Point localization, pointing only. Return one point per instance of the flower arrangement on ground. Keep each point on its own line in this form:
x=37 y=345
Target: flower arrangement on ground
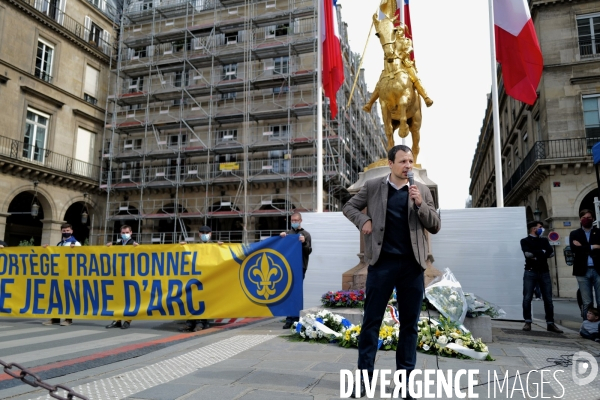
x=321 y=327
x=344 y=298
x=447 y=339
x=478 y=307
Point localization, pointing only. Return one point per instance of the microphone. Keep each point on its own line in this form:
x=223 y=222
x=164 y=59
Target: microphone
x=411 y=178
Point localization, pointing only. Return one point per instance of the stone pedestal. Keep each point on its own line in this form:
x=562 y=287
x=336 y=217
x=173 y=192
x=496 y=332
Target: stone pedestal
x=356 y=278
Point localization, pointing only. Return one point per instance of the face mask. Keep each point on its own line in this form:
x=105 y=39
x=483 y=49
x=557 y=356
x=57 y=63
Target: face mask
x=587 y=222
x=539 y=231
x=66 y=235
x=295 y=225
x=205 y=237
x=125 y=236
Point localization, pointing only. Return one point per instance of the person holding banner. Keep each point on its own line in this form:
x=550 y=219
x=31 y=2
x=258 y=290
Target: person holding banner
x=126 y=240
x=306 y=241
x=67 y=240
x=195 y=325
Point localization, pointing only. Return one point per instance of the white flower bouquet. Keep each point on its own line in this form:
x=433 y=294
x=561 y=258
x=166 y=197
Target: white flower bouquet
x=478 y=306
x=446 y=295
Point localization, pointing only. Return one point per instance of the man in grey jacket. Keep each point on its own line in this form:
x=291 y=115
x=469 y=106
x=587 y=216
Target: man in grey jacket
x=396 y=247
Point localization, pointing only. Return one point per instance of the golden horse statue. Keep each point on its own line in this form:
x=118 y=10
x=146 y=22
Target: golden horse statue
x=399 y=87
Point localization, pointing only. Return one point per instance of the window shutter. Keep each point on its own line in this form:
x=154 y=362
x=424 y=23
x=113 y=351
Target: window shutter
x=88 y=26
x=61 y=12
x=91 y=81
x=106 y=42
x=85 y=145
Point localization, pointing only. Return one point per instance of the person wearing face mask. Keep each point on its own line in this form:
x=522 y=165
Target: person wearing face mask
x=585 y=244
x=304 y=237
x=67 y=240
x=537 y=250
x=195 y=325
x=125 y=240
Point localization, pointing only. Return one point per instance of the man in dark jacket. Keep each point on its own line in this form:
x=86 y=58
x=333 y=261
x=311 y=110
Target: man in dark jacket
x=306 y=241
x=126 y=240
x=585 y=244
x=537 y=250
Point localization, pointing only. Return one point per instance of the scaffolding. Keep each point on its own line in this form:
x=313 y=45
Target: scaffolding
x=213 y=120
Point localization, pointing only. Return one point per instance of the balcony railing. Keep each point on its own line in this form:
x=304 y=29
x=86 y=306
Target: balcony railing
x=37 y=156
x=70 y=24
x=550 y=150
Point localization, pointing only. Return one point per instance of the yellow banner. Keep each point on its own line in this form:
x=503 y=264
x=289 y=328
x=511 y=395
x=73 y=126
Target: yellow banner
x=153 y=281
x=229 y=166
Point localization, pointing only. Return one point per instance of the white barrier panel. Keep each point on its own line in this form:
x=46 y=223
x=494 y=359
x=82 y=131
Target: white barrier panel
x=481 y=246
x=335 y=243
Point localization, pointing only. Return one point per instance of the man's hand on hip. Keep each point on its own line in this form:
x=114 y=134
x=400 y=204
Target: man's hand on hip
x=367 y=228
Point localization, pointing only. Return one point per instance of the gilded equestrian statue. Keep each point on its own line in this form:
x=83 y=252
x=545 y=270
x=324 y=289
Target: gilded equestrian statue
x=399 y=87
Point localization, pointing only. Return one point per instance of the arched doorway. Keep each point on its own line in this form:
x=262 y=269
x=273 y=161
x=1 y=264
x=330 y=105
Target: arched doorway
x=528 y=214
x=226 y=223
x=541 y=205
x=20 y=225
x=170 y=227
x=588 y=202
x=81 y=230
x=275 y=220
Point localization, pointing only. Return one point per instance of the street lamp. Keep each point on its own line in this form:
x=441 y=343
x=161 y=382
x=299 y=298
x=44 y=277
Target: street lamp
x=84 y=214
x=537 y=214
x=35 y=208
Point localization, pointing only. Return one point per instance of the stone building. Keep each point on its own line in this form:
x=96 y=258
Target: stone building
x=546 y=148
x=54 y=62
x=212 y=120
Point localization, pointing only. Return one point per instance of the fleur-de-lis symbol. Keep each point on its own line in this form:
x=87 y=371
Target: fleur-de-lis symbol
x=265 y=272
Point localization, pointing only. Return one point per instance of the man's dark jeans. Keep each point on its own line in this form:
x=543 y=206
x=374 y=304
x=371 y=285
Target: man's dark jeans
x=406 y=275
x=530 y=280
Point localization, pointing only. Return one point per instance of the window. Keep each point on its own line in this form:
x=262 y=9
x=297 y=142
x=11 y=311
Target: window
x=277 y=30
x=525 y=144
x=132 y=144
x=227 y=135
x=43 y=61
x=590 y=117
x=176 y=140
x=588 y=27
x=36 y=130
x=136 y=84
x=147 y=5
x=229 y=72
x=281 y=89
x=85 y=149
x=280 y=161
x=231 y=38
x=181 y=78
x=90 y=87
x=281 y=65
x=228 y=96
x=278 y=132
x=180 y=45
x=139 y=52
x=95 y=34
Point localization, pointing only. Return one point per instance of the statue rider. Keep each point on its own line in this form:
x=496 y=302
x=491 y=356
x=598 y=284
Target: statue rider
x=402 y=49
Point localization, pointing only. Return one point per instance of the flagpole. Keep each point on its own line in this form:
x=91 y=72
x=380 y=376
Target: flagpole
x=495 y=112
x=401 y=9
x=320 y=105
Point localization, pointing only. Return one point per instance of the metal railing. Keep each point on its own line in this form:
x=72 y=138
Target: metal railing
x=550 y=150
x=70 y=24
x=34 y=155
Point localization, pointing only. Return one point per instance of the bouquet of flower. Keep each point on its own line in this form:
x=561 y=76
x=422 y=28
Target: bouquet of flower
x=322 y=327
x=478 y=306
x=349 y=298
x=388 y=337
x=350 y=337
x=447 y=339
x=446 y=295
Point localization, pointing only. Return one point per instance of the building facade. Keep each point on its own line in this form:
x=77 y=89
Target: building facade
x=547 y=165
x=54 y=58
x=212 y=120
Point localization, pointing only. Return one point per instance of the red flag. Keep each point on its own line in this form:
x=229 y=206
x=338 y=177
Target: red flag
x=333 y=65
x=517 y=49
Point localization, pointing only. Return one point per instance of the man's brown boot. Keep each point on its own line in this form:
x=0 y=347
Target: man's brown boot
x=553 y=328
x=527 y=326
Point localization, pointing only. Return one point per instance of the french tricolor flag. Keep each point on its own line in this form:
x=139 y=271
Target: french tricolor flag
x=517 y=49
x=333 y=66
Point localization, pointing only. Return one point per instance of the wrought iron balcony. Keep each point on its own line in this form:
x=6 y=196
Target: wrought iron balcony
x=550 y=150
x=30 y=155
x=50 y=9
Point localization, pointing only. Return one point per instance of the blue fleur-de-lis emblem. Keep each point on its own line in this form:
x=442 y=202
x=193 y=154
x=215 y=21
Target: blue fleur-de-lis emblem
x=266 y=276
